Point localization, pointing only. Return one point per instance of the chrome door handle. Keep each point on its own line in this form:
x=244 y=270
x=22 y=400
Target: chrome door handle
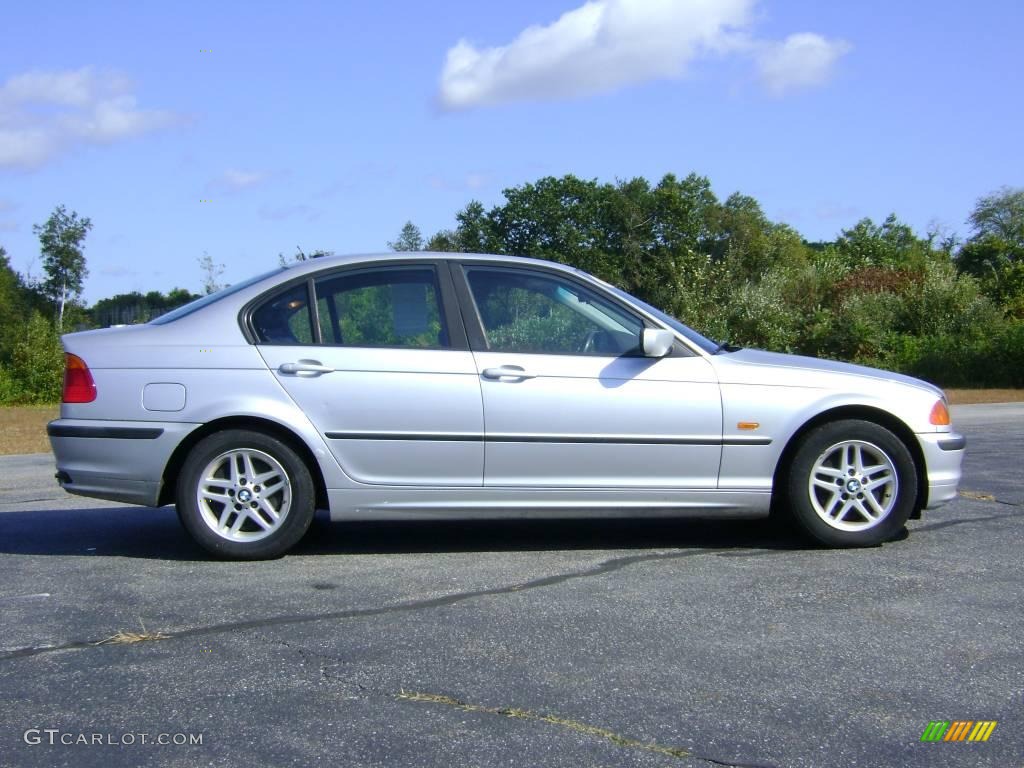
x=305 y=366
x=507 y=372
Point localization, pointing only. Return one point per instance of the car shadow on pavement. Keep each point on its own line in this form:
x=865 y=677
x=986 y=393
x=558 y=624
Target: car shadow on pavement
x=120 y=531
x=542 y=535
x=157 y=534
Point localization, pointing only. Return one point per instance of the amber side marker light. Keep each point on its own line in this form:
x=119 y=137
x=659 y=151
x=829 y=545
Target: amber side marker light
x=939 y=415
x=78 y=384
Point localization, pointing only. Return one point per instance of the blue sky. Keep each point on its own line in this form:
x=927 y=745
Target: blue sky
x=245 y=130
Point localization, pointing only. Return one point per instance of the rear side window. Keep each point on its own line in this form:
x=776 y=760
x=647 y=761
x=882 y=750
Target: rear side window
x=392 y=307
x=285 y=318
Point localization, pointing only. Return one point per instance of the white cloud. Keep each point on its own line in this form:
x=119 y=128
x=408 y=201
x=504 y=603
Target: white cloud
x=283 y=212
x=26 y=147
x=600 y=46
x=471 y=181
x=607 y=44
x=233 y=180
x=70 y=88
x=800 y=61
x=43 y=114
x=477 y=180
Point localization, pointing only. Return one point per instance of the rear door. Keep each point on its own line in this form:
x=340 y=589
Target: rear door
x=570 y=401
x=381 y=366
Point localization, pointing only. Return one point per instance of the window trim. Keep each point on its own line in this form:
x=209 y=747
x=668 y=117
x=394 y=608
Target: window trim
x=449 y=304
x=474 y=323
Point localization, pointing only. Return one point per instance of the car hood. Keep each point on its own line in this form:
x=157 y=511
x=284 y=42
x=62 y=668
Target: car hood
x=798 y=363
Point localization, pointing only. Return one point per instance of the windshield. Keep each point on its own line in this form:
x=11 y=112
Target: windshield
x=192 y=306
x=709 y=346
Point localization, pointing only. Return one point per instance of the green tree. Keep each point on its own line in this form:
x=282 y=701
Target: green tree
x=135 y=307
x=60 y=243
x=301 y=255
x=889 y=244
x=445 y=241
x=11 y=305
x=1000 y=215
x=474 y=231
x=994 y=253
x=409 y=239
x=211 y=274
x=562 y=219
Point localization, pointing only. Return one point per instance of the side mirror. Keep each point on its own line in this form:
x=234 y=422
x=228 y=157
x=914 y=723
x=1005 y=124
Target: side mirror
x=657 y=342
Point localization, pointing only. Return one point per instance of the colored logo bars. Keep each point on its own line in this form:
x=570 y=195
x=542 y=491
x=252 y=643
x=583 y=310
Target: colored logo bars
x=959 y=730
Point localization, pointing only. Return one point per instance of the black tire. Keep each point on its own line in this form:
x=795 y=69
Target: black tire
x=242 y=526
x=829 y=453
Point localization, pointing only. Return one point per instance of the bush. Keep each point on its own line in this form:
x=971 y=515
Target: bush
x=948 y=304
x=863 y=327
x=36 y=371
x=759 y=316
x=996 y=360
x=1005 y=361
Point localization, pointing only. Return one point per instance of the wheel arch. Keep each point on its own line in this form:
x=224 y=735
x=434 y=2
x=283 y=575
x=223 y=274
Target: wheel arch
x=864 y=413
x=169 y=480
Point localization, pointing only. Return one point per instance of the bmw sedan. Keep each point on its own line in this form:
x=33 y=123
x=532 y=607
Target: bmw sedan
x=423 y=385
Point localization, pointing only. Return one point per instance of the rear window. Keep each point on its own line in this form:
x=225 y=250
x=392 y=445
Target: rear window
x=223 y=293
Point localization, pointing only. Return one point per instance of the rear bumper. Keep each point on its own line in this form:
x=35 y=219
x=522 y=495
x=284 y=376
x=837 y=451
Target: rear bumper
x=114 y=460
x=943 y=454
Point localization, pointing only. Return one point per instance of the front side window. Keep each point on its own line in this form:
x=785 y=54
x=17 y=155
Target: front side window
x=393 y=307
x=533 y=312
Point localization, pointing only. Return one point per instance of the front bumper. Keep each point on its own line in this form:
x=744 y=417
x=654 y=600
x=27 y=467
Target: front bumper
x=943 y=455
x=114 y=460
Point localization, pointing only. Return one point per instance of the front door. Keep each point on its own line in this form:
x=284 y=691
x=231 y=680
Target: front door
x=569 y=400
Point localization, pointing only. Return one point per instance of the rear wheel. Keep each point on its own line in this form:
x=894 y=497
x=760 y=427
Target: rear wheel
x=851 y=483
x=245 y=495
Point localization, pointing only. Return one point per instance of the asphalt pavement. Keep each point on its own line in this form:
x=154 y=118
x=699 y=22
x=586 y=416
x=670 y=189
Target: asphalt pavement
x=526 y=643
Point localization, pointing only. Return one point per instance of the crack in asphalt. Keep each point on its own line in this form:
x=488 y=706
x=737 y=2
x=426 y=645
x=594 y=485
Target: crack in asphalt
x=966 y=521
x=11 y=502
x=510 y=712
x=572 y=725
x=608 y=566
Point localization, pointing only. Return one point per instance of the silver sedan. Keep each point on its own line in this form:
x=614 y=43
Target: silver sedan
x=437 y=385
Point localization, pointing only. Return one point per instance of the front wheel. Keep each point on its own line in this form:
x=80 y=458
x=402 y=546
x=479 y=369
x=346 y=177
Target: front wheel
x=245 y=495
x=851 y=484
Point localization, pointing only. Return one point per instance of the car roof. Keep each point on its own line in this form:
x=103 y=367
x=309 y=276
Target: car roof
x=322 y=262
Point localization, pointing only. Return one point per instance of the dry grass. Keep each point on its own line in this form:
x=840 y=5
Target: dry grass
x=23 y=428
x=969 y=396
x=126 y=638
x=978 y=496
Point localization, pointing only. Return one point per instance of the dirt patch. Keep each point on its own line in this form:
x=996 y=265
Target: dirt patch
x=23 y=428
x=969 y=396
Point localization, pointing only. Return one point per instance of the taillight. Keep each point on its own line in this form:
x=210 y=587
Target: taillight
x=939 y=415
x=78 y=384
